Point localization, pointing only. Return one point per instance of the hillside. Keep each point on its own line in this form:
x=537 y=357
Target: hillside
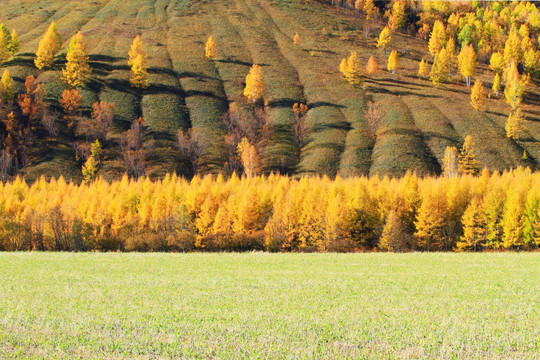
x=189 y=91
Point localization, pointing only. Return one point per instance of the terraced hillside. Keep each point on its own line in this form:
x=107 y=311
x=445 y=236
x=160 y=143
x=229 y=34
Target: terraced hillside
x=189 y=91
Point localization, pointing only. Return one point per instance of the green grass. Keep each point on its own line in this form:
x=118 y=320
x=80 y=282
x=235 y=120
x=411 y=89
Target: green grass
x=255 y=305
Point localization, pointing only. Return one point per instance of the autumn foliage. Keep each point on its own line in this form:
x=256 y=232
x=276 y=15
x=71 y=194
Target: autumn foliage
x=275 y=213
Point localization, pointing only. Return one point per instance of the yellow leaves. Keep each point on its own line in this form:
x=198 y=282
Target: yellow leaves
x=497 y=63
x=248 y=156
x=515 y=85
x=351 y=68
x=468 y=165
x=478 y=95
x=514 y=124
x=77 y=71
x=385 y=38
x=393 y=62
x=210 y=49
x=255 y=86
x=49 y=45
x=372 y=67
x=467 y=63
x=7 y=92
x=137 y=61
x=423 y=68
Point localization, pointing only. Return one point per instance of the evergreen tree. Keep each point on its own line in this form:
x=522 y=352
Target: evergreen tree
x=77 y=71
x=467 y=164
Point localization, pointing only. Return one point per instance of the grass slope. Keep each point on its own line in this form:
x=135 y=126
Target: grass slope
x=187 y=90
x=254 y=305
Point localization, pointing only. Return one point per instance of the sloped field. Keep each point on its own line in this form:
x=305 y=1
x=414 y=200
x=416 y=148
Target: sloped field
x=189 y=91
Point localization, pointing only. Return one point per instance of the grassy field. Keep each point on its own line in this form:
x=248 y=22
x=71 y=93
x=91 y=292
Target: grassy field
x=254 y=305
x=187 y=90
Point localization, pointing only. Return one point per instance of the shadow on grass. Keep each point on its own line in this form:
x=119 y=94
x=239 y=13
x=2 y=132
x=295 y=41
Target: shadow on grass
x=237 y=62
x=325 y=103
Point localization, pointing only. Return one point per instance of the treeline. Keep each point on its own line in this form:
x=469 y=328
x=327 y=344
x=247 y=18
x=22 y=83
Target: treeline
x=275 y=213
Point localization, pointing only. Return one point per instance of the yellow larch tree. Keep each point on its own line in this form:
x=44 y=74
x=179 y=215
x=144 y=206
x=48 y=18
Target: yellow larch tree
x=467 y=63
x=531 y=61
x=397 y=18
x=136 y=50
x=496 y=84
x=248 y=156
x=370 y=9
x=393 y=62
x=352 y=69
x=478 y=95
x=515 y=85
x=210 y=49
x=440 y=70
x=514 y=124
x=423 y=68
x=49 y=45
x=512 y=221
x=4 y=48
x=77 y=71
x=474 y=227
x=467 y=163
x=512 y=47
x=385 y=39
x=393 y=236
x=452 y=55
x=255 y=86
x=14 y=44
x=497 y=63
x=440 y=31
x=139 y=74
x=372 y=67
x=434 y=44
x=7 y=91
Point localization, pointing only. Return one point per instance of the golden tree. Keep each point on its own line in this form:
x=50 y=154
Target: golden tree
x=467 y=164
x=393 y=236
x=474 y=227
x=255 y=86
x=515 y=85
x=296 y=39
x=14 y=44
x=210 y=48
x=496 y=84
x=49 y=45
x=370 y=9
x=393 y=62
x=7 y=91
x=514 y=124
x=512 y=47
x=139 y=74
x=385 y=39
x=434 y=44
x=467 y=63
x=77 y=71
x=450 y=162
x=478 y=95
x=372 y=67
x=91 y=166
x=397 y=17
x=531 y=61
x=4 y=47
x=440 y=70
x=352 y=69
x=71 y=101
x=136 y=50
x=497 y=63
x=423 y=68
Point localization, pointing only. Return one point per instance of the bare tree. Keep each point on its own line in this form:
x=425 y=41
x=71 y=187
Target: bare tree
x=374 y=116
x=299 y=126
x=6 y=165
x=133 y=151
x=49 y=121
x=191 y=145
x=97 y=127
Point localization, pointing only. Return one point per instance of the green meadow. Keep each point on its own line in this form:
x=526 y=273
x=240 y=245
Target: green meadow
x=258 y=305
